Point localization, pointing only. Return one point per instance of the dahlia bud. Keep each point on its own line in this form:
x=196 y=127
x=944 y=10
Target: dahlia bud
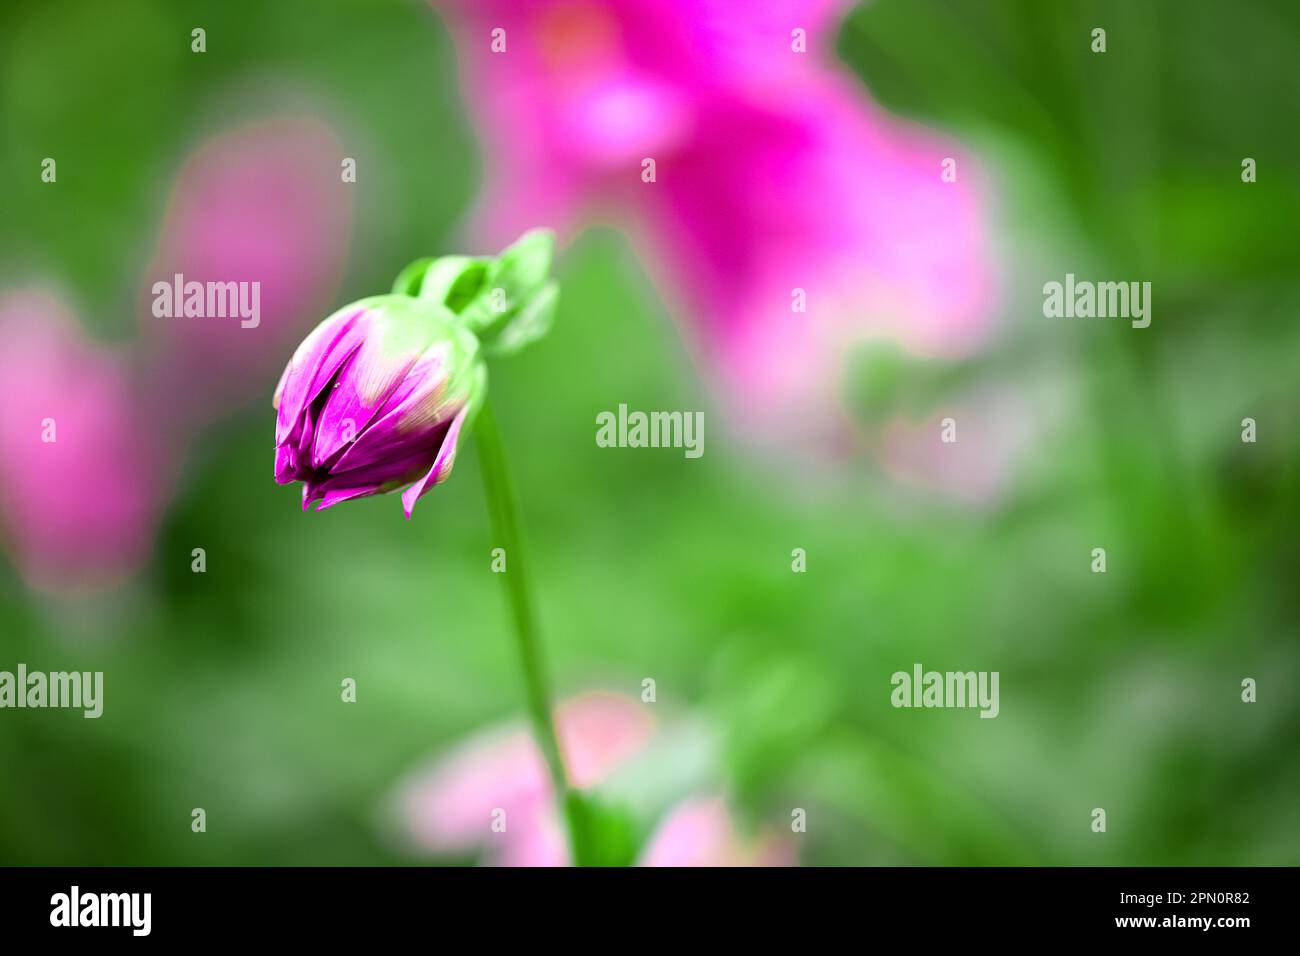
x=378 y=395
x=375 y=399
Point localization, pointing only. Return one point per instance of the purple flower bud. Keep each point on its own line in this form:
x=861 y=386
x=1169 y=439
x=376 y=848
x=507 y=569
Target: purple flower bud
x=375 y=399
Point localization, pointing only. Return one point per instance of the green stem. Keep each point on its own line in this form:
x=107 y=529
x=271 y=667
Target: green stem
x=504 y=510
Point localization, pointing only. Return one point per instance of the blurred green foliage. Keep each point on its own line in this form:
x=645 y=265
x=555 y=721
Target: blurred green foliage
x=1118 y=690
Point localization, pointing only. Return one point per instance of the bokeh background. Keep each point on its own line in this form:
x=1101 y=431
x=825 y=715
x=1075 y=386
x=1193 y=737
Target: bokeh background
x=1118 y=690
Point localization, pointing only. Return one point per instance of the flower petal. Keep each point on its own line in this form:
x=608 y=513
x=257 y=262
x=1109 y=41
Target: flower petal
x=416 y=413
x=441 y=466
x=392 y=473
x=314 y=364
x=331 y=498
x=364 y=385
x=285 y=464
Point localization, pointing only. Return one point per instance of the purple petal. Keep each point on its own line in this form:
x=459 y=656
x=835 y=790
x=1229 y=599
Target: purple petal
x=414 y=416
x=286 y=467
x=331 y=491
x=313 y=365
x=393 y=472
x=306 y=433
x=441 y=467
x=331 y=498
x=291 y=456
x=364 y=385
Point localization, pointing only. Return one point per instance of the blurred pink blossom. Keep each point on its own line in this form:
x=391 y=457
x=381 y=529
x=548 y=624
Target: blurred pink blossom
x=701 y=832
x=774 y=172
x=449 y=808
x=262 y=203
x=81 y=480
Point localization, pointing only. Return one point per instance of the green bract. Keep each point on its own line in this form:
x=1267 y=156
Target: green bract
x=507 y=302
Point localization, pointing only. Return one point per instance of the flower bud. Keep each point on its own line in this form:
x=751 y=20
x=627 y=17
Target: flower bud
x=375 y=399
x=377 y=396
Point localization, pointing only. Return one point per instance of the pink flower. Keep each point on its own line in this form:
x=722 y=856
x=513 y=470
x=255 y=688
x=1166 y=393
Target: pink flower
x=262 y=203
x=700 y=832
x=374 y=399
x=81 y=480
x=773 y=173
x=498 y=777
x=451 y=808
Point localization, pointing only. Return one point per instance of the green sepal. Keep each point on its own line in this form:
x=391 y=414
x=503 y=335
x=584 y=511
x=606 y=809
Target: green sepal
x=508 y=301
x=410 y=279
x=529 y=324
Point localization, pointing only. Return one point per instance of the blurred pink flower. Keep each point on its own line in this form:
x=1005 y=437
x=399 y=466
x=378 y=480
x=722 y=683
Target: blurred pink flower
x=262 y=203
x=774 y=172
x=700 y=832
x=450 y=808
x=81 y=480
